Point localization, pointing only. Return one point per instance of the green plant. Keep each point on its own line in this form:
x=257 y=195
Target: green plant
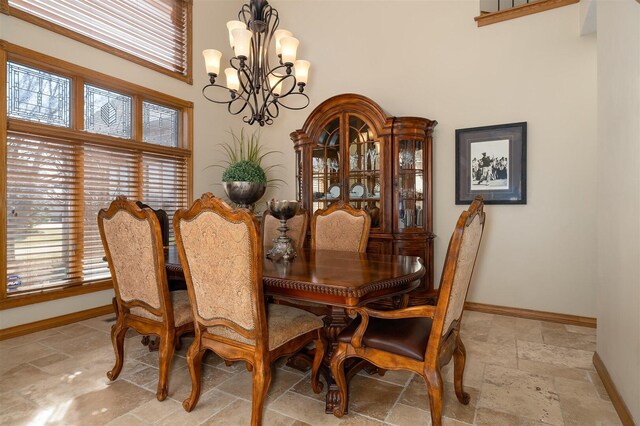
x=246 y=148
x=244 y=171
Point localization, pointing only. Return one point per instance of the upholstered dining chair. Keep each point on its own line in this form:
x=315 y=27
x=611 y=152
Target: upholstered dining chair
x=420 y=339
x=297 y=228
x=221 y=253
x=132 y=243
x=340 y=227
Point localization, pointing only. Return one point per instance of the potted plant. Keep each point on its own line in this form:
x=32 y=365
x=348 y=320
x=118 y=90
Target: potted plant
x=244 y=178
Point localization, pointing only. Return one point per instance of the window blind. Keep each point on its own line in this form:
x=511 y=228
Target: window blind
x=155 y=31
x=164 y=184
x=43 y=212
x=108 y=173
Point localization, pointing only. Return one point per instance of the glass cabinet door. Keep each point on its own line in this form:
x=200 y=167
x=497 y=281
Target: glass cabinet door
x=326 y=182
x=410 y=185
x=364 y=169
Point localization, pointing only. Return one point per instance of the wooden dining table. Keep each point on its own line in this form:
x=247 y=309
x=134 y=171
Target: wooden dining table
x=333 y=281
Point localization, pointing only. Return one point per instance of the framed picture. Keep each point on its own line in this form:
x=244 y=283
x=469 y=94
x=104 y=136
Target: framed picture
x=492 y=161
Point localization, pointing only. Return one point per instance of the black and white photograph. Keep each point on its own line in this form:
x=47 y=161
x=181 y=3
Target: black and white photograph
x=492 y=161
x=489 y=165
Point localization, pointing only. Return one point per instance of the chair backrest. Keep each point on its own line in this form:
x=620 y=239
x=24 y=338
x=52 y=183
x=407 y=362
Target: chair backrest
x=221 y=256
x=458 y=267
x=297 y=228
x=132 y=242
x=163 y=218
x=340 y=227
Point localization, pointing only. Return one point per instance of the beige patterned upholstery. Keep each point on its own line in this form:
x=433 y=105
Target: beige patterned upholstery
x=283 y=322
x=134 y=264
x=339 y=231
x=182 y=313
x=297 y=230
x=464 y=268
x=219 y=257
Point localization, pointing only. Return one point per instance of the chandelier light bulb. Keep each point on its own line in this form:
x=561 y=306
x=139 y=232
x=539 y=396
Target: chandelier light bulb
x=233 y=82
x=242 y=40
x=273 y=83
x=302 y=70
x=278 y=34
x=289 y=47
x=212 y=60
x=233 y=25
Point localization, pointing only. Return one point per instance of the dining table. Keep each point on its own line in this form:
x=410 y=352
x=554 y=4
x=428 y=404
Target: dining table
x=333 y=281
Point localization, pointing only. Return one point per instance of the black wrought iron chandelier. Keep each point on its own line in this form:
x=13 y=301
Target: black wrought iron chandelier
x=251 y=82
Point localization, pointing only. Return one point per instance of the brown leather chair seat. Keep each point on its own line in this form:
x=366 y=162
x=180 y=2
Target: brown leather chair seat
x=384 y=335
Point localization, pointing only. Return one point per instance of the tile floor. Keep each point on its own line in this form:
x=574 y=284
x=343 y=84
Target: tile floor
x=519 y=372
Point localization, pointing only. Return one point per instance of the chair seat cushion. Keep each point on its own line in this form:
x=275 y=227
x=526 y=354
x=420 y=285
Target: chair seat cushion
x=406 y=337
x=182 y=312
x=284 y=323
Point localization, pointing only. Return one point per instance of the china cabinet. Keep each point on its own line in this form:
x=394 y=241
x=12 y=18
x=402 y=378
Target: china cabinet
x=349 y=149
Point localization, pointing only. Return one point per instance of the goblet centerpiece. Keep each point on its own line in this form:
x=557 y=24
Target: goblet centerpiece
x=282 y=210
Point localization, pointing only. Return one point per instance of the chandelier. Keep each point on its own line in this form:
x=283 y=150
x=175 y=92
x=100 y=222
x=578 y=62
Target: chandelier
x=251 y=83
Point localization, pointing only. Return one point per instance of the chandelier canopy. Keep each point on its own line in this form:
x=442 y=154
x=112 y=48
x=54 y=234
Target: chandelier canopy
x=250 y=80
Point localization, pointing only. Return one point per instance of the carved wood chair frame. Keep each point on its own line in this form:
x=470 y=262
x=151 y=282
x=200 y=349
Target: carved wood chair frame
x=259 y=357
x=442 y=344
x=165 y=328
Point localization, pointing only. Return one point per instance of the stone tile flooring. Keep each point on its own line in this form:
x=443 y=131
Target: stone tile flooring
x=519 y=372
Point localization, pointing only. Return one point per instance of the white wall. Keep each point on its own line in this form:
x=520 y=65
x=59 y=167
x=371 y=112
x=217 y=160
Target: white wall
x=619 y=196
x=429 y=59
x=426 y=58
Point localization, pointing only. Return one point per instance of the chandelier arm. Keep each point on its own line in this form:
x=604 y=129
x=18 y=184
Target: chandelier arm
x=204 y=89
x=296 y=108
x=248 y=89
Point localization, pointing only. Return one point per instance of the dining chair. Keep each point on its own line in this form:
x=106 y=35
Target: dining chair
x=132 y=243
x=297 y=228
x=340 y=227
x=221 y=253
x=421 y=339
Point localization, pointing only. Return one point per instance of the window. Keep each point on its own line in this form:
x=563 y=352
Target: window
x=153 y=33
x=68 y=154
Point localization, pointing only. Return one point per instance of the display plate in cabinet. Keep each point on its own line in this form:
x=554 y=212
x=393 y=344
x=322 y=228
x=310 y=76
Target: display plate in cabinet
x=333 y=192
x=358 y=190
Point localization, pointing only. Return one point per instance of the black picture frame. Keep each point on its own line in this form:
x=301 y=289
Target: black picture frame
x=492 y=161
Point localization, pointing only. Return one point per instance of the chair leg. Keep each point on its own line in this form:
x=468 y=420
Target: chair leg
x=321 y=345
x=118 y=331
x=434 y=387
x=261 y=383
x=194 y=362
x=337 y=370
x=459 y=360
x=167 y=348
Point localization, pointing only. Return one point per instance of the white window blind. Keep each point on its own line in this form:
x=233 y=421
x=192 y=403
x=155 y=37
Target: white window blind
x=164 y=184
x=108 y=173
x=155 y=31
x=43 y=212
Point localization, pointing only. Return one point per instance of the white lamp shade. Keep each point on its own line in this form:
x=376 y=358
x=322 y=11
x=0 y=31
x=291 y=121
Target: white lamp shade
x=278 y=34
x=233 y=82
x=232 y=25
x=289 y=47
x=212 y=60
x=302 y=70
x=273 y=83
x=242 y=42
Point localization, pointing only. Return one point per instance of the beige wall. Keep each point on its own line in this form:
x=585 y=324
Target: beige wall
x=619 y=196
x=429 y=59
x=426 y=58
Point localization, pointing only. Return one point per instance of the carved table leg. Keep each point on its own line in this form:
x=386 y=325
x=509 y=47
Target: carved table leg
x=337 y=322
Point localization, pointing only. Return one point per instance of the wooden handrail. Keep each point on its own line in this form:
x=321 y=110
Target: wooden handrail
x=522 y=10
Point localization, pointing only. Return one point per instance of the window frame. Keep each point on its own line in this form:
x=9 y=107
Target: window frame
x=187 y=77
x=79 y=75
